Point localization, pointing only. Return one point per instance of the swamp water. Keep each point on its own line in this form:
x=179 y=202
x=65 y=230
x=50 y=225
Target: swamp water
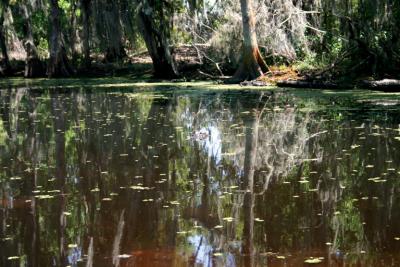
x=186 y=178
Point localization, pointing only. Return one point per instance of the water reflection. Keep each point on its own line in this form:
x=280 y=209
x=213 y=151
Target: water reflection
x=163 y=178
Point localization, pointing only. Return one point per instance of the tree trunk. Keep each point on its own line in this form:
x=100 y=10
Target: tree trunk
x=5 y=67
x=86 y=31
x=157 y=43
x=58 y=62
x=74 y=34
x=115 y=51
x=33 y=66
x=252 y=65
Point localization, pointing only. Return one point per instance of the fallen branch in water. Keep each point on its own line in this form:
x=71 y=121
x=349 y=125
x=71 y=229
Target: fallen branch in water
x=385 y=84
x=308 y=84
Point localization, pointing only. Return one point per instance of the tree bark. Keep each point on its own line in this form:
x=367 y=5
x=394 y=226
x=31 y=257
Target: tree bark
x=115 y=51
x=252 y=65
x=74 y=34
x=33 y=65
x=86 y=12
x=157 y=43
x=5 y=67
x=58 y=65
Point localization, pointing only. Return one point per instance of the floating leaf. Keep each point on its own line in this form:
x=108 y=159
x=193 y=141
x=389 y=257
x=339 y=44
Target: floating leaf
x=182 y=233
x=44 y=197
x=124 y=256
x=313 y=260
x=228 y=219
x=138 y=187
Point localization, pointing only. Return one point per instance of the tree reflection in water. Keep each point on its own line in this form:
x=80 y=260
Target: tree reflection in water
x=162 y=178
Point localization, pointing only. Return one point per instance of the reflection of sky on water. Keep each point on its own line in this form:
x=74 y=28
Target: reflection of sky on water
x=204 y=253
x=74 y=256
x=213 y=143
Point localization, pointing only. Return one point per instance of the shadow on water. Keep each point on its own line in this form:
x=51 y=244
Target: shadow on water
x=217 y=178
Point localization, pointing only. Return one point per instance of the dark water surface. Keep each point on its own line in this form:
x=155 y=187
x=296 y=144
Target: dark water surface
x=169 y=178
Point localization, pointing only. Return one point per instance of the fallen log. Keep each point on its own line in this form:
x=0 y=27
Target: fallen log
x=385 y=84
x=254 y=83
x=307 y=84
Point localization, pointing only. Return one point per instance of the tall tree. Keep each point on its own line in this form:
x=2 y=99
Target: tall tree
x=109 y=30
x=33 y=65
x=252 y=64
x=5 y=67
x=86 y=13
x=155 y=21
x=58 y=65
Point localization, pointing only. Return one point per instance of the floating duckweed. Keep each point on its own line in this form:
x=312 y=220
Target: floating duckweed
x=377 y=180
x=228 y=219
x=313 y=260
x=44 y=197
x=138 y=187
x=124 y=256
x=182 y=232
